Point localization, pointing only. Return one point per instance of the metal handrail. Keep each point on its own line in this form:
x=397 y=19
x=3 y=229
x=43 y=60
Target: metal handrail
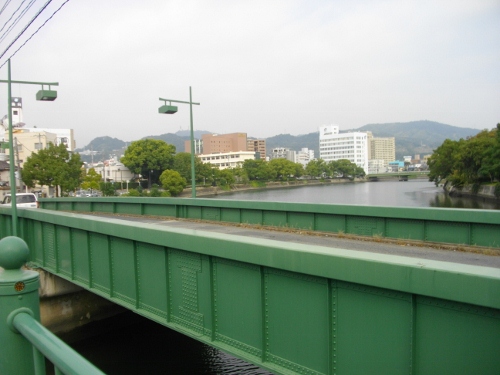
x=63 y=357
x=22 y=337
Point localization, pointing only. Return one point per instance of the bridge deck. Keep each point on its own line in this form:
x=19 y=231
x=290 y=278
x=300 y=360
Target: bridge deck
x=414 y=249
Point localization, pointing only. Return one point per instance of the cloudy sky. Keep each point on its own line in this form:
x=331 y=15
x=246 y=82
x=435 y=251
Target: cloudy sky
x=260 y=67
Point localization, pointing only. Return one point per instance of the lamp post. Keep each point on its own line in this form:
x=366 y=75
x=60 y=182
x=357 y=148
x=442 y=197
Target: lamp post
x=42 y=95
x=170 y=109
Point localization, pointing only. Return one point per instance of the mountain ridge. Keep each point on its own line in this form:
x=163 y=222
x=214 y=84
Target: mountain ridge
x=414 y=137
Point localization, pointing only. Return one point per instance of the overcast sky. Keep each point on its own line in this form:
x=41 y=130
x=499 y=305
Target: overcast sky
x=260 y=67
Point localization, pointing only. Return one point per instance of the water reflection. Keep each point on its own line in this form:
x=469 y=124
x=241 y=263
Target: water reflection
x=145 y=347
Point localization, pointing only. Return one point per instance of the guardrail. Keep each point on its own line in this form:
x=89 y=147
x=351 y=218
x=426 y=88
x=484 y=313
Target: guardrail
x=441 y=225
x=24 y=341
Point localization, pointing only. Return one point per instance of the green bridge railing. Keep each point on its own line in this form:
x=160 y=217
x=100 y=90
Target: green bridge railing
x=453 y=226
x=24 y=342
x=287 y=307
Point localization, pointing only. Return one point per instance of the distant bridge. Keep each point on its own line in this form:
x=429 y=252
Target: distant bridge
x=401 y=176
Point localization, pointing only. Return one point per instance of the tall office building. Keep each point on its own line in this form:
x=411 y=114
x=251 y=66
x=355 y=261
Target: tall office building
x=334 y=145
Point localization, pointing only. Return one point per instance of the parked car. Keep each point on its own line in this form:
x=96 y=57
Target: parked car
x=24 y=200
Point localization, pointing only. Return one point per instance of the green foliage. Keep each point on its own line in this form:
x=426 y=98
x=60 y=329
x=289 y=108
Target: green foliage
x=91 y=179
x=53 y=166
x=155 y=192
x=107 y=189
x=283 y=169
x=240 y=175
x=257 y=184
x=148 y=155
x=317 y=168
x=224 y=177
x=133 y=193
x=257 y=170
x=182 y=164
x=497 y=190
x=173 y=182
x=345 y=169
x=471 y=161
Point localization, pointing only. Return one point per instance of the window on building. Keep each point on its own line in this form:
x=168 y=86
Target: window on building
x=38 y=146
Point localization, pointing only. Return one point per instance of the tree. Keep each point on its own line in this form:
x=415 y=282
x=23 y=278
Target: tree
x=342 y=167
x=224 y=176
x=91 y=179
x=316 y=168
x=257 y=169
x=470 y=161
x=443 y=160
x=107 y=189
x=182 y=164
x=53 y=166
x=173 y=182
x=149 y=157
x=281 y=168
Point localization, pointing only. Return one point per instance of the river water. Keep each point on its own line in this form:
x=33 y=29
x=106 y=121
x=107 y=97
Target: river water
x=144 y=347
x=392 y=193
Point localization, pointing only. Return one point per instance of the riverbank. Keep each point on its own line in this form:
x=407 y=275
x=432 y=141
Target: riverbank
x=217 y=190
x=484 y=191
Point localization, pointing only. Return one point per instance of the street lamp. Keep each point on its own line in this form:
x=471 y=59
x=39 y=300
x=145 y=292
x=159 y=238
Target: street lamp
x=170 y=109
x=43 y=95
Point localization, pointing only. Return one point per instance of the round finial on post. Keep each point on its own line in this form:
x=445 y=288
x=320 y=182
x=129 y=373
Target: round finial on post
x=14 y=253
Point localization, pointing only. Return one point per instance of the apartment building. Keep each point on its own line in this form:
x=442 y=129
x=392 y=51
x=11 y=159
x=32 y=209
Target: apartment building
x=257 y=145
x=380 y=148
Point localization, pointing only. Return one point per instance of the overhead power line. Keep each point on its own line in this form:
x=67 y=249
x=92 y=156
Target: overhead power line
x=4 y=6
x=32 y=35
x=16 y=21
x=26 y=27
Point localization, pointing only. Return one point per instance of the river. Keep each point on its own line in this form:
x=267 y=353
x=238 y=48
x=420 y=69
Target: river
x=392 y=193
x=144 y=347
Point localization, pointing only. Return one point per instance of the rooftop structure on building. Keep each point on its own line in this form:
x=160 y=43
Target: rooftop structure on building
x=352 y=146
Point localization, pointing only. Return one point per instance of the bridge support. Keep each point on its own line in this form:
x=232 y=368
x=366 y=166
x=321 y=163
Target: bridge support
x=65 y=306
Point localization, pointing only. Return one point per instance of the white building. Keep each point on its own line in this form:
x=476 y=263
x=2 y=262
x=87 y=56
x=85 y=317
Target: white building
x=283 y=153
x=228 y=159
x=304 y=156
x=336 y=146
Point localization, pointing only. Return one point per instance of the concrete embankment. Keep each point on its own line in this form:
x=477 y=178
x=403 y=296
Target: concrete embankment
x=216 y=190
x=484 y=191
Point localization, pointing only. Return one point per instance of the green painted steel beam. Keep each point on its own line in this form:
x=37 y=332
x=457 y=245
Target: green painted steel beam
x=287 y=307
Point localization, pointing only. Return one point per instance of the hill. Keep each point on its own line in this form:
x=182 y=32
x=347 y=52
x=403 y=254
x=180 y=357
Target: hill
x=418 y=137
x=294 y=142
x=415 y=137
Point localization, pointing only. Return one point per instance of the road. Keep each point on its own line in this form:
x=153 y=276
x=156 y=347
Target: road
x=452 y=253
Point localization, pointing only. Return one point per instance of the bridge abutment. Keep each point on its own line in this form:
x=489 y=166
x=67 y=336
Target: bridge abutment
x=65 y=307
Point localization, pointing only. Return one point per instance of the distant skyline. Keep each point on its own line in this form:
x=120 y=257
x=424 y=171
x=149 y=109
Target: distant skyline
x=259 y=67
